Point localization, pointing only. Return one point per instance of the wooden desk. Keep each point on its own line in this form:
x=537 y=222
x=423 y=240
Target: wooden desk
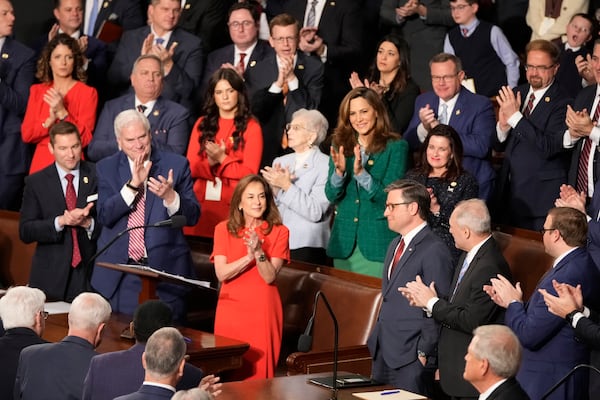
x=287 y=388
x=212 y=353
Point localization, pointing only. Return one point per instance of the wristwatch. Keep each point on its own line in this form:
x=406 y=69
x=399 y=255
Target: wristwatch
x=130 y=186
x=569 y=316
x=262 y=258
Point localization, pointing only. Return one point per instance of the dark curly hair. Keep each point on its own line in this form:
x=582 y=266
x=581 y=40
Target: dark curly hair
x=210 y=124
x=398 y=84
x=44 y=71
x=344 y=134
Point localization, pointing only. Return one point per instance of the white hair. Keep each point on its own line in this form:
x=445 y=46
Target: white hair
x=20 y=305
x=88 y=311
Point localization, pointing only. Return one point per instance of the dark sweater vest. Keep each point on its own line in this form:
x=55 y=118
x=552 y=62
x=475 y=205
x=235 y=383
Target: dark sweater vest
x=479 y=59
x=567 y=76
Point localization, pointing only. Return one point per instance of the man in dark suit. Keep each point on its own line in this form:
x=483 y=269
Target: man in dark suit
x=17 y=69
x=468 y=306
x=128 y=14
x=471 y=115
x=531 y=127
x=69 y=20
x=164 y=361
x=169 y=121
x=492 y=361
x=121 y=372
x=332 y=32
x=550 y=350
x=136 y=187
x=243 y=22
x=57 y=214
x=22 y=314
x=55 y=371
x=180 y=52
x=207 y=19
x=403 y=343
x=583 y=136
x=282 y=84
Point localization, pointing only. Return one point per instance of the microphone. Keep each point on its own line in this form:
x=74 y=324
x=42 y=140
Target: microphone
x=567 y=376
x=305 y=340
x=175 y=222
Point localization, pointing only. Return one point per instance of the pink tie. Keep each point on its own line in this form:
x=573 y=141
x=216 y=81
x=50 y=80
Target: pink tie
x=136 y=218
x=584 y=159
x=71 y=200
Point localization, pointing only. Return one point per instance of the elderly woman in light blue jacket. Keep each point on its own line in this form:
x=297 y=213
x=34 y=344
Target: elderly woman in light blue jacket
x=298 y=181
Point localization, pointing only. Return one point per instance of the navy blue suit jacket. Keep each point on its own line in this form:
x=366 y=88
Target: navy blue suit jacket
x=148 y=392
x=53 y=371
x=550 y=349
x=121 y=372
x=401 y=330
x=535 y=161
x=474 y=120
x=184 y=78
x=17 y=70
x=167 y=248
x=126 y=13
x=169 y=126
x=43 y=201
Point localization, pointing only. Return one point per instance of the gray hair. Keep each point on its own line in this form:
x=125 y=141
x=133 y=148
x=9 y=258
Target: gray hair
x=149 y=57
x=192 y=394
x=20 y=305
x=128 y=117
x=315 y=121
x=500 y=347
x=164 y=351
x=88 y=311
x=473 y=214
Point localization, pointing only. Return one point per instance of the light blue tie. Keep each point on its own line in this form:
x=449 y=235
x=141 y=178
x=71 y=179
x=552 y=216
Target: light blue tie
x=93 y=16
x=443 y=118
x=463 y=269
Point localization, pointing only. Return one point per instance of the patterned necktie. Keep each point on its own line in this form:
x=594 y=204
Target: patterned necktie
x=443 y=118
x=93 y=16
x=71 y=200
x=311 y=19
x=584 y=158
x=160 y=41
x=461 y=274
x=241 y=64
x=464 y=31
x=136 y=218
x=141 y=108
x=399 y=251
x=529 y=105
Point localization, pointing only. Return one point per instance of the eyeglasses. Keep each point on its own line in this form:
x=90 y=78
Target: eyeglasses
x=287 y=39
x=295 y=127
x=544 y=230
x=45 y=314
x=443 y=78
x=459 y=7
x=237 y=24
x=392 y=206
x=541 y=68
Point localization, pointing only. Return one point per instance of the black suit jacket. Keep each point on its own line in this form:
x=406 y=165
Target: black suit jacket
x=11 y=344
x=207 y=19
x=269 y=107
x=469 y=308
x=43 y=201
x=588 y=329
x=509 y=390
x=184 y=77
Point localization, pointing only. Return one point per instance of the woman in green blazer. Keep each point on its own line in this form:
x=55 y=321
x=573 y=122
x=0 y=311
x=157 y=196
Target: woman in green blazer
x=365 y=157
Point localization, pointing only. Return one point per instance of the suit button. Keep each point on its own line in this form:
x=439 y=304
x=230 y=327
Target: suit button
x=355 y=219
x=384 y=299
x=357 y=201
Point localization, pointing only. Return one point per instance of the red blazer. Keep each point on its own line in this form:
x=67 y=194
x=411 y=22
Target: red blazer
x=80 y=101
x=237 y=164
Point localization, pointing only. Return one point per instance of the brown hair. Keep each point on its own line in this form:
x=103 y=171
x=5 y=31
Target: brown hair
x=44 y=71
x=63 y=128
x=236 y=216
x=344 y=134
x=545 y=46
x=572 y=225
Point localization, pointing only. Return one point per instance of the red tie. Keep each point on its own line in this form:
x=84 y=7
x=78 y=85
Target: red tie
x=136 y=218
x=71 y=200
x=241 y=64
x=584 y=159
x=464 y=31
x=529 y=106
x=399 y=251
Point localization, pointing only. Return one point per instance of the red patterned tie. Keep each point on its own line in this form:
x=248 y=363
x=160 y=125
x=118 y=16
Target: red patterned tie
x=464 y=31
x=241 y=65
x=584 y=158
x=529 y=106
x=136 y=218
x=71 y=200
x=399 y=251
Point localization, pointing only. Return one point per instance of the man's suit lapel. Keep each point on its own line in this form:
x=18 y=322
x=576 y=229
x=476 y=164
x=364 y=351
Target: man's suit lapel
x=86 y=184
x=156 y=112
x=55 y=191
x=455 y=117
x=472 y=267
x=406 y=255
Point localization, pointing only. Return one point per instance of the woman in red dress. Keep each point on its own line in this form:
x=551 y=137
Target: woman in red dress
x=249 y=249
x=62 y=96
x=226 y=144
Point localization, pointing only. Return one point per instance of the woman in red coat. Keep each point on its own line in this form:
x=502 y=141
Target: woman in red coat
x=226 y=144
x=61 y=96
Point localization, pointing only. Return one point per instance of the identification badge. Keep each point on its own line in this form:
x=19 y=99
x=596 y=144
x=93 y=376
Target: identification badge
x=213 y=190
